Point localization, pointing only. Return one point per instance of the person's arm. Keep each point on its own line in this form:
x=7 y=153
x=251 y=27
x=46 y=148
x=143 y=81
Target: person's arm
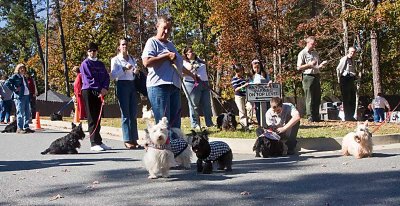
x=339 y=69
x=106 y=82
x=10 y=83
x=295 y=118
x=301 y=65
x=151 y=61
x=116 y=69
x=387 y=104
x=241 y=87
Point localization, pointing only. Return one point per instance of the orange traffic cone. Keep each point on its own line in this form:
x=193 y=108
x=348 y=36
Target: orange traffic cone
x=77 y=119
x=38 y=121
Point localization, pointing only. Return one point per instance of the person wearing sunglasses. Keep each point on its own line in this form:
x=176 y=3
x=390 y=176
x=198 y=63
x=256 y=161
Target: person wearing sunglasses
x=95 y=83
x=285 y=119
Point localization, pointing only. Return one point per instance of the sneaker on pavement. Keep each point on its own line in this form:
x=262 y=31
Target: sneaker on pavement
x=20 y=131
x=97 y=148
x=105 y=147
x=28 y=130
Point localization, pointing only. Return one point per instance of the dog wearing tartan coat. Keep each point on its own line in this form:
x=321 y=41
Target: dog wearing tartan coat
x=209 y=152
x=180 y=148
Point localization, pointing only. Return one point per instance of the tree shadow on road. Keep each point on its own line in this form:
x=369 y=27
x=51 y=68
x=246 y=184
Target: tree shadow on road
x=41 y=164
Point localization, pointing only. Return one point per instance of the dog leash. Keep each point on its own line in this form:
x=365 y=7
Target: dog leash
x=99 y=118
x=184 y=87
x=384 y=122
x=212 y=91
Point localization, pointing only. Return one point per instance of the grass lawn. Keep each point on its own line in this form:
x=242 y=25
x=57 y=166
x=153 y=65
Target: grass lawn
x=307 y=130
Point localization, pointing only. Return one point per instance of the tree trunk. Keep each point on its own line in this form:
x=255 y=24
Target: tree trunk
x=123 y=19
x=345 y=29
x=46 y=70
x=40 y=51
x=255 y=27
x=376 y=73
x=64 y=53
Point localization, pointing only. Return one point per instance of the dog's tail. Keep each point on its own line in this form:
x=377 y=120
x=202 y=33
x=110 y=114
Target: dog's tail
x=46 y=151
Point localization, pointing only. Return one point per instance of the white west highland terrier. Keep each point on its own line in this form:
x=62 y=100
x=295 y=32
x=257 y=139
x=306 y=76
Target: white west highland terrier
x=158 y=158
x=358 y=143
x=147 y=114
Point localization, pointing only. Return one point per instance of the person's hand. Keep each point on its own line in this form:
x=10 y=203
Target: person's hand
x=312 y=63
x=136 y=71
x=323 y=63
x=196 y=78
x=270 y=83
x=171 y=56
x=280 y=130
x=103 y=92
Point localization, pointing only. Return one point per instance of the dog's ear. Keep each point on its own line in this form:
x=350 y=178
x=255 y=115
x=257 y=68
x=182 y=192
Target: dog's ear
x=73 y=125
x=80 y=124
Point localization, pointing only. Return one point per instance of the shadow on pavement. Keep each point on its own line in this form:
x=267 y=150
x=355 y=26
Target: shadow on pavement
x=40 y=164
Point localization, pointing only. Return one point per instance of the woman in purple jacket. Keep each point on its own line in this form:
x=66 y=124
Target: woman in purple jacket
x=95 y=83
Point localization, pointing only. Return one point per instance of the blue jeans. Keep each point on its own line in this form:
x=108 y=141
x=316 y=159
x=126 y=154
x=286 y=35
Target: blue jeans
x=200 y=96
x=127 y=98
x=165 y=101
x=379 y=114
x=23 y=111
x=6 y=111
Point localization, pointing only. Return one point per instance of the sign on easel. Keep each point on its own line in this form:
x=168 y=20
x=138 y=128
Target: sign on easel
x=262 y=92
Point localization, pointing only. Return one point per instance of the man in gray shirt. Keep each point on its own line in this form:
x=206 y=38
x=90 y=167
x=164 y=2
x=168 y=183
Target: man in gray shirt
x=308 y=62
x=346 y=73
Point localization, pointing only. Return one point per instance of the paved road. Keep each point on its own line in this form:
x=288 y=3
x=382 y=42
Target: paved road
x=117 y=177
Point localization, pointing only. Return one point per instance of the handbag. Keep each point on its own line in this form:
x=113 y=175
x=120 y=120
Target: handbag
x=140 y=83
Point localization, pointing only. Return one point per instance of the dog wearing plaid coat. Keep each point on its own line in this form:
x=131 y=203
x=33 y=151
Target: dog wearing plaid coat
x=181 y=148
x=209 y=152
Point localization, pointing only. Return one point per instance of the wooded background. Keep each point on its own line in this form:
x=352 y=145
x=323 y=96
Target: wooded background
x=221 y=31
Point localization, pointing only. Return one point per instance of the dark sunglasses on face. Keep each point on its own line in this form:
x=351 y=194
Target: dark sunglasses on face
x=92 y=50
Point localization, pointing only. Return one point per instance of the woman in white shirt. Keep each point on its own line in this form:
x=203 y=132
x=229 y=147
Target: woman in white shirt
x=123 y=69
x=197 y=90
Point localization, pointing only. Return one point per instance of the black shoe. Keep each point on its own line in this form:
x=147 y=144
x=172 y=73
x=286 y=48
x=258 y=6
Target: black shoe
x=291 y=152
x=28 y=130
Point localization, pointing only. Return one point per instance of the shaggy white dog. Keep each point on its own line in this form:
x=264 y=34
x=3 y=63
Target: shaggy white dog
x=358 y=143
x=158 y=158
x=147 y=114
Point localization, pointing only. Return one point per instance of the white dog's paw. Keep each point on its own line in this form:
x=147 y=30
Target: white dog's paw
x=152 y=177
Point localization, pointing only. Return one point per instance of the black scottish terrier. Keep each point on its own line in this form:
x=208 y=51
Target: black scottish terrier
x=208 y=152
x=68 y=143
x=266 y=146
x=227 y=121
x=10 y=128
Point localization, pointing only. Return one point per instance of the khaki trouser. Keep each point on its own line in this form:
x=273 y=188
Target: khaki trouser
x=241 y=105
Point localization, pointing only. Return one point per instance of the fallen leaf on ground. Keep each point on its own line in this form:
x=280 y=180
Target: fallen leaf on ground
x=323 y=165
x=345 y=163
x=21 y=178
x=65 y=170
x=58 y=196
x=245 y=193
x=96 y=182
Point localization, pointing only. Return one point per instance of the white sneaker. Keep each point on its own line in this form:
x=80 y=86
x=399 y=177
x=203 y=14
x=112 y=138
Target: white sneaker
x=105 y=147
x=97 y=148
